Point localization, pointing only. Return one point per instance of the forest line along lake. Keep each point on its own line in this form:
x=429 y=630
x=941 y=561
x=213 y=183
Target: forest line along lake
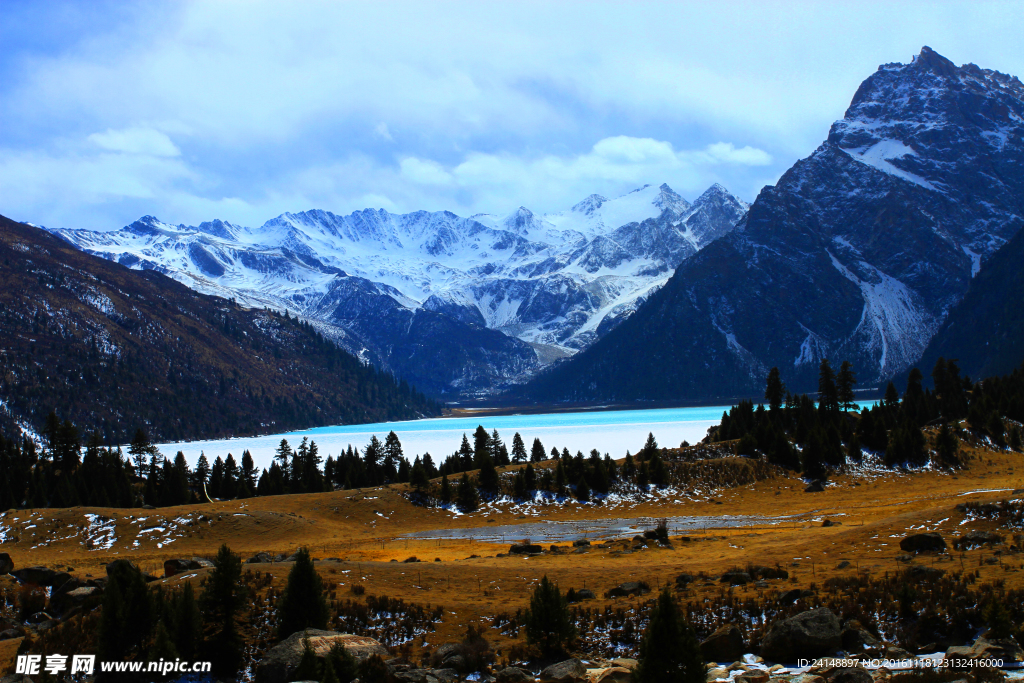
x=609 y=431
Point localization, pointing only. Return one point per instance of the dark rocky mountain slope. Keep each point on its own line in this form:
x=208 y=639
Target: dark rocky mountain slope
x=859 y=252
x=985 y=331
x=115 y=349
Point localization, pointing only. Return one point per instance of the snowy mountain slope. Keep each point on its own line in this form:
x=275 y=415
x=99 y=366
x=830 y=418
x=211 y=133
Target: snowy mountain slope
x=503 y=294
x=857 y=253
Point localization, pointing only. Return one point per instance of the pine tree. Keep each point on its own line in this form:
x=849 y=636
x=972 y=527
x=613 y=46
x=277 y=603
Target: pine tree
x=669 y=650
x=537 y=451
x=582 y=490
x=126 y=618
x=393 y=454
x=481 y=446
x=283 y=456
x=774 y=390
x=188 y=623
x=446 y=490
x=418 y=477
x=547 y=621
x=488 y=475
x=845 y=382
x=947 y=447
x=469 y=499
x=518 y=449
x=828 y=393
x=303 y=604
x=221 y=600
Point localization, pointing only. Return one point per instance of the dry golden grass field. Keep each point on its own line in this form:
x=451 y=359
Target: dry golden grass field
x=365 y=530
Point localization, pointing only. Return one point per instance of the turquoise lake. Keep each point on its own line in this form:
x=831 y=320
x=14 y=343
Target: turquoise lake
x=609 y=431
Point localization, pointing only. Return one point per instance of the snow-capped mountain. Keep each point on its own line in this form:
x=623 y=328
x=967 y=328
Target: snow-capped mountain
x=858 y=253
x=451 y=304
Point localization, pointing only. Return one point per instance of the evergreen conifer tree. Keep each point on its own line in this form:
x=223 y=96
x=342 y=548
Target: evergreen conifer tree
x=547 y=621
x=775 y=390
x=518 y=449
x=469 y=499
x=221 y=600
x=537 y=451
x=303 y=604
x=669 y=650
x=845 y=382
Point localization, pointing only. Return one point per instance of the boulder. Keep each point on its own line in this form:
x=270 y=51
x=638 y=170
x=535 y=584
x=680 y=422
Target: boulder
x=260 y=558
x=684 y=579
x=1005 y=649
x=280 y=661
x=724 y=645
x=177 y=566
x=200 y=563
x=753 y=676
x=41 y=576
x=807 y=635
x=613 y=674
x=719 y=672
x=585 y=594
x=814 y=487
x=579 y=543
x=116 y=564
x=976 y=539
x=6 y=564
x=855 y=637
x=917 y=543
x=569 y=671
x=735 y=578
x=848 y=674
x=628 y=588
x=513 y=674
x=10 y=634
x=525 y=549
x=625 y=662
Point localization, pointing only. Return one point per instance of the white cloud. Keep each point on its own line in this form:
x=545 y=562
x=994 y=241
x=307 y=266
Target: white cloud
x=136 y=141
x=462 y=105
x=424 y=172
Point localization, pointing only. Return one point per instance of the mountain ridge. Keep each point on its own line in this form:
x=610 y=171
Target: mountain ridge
x=858 y=252
x=504 y=294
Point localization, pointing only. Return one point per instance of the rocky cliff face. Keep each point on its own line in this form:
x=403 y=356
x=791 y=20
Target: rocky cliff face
x=455 y=305
x=857 y=253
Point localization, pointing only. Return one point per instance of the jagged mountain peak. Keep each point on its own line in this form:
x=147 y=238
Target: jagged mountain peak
x=589 y=205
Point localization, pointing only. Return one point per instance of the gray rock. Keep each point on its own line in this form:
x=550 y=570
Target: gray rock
x=1005 y=649
x=735 y=578
x=40 y=576
x=525 y=549
x=176 y=566
x=585 y=594
x=569 y=671
x=628 y=588
x=855 y=637
x=848 y=674
x=260 y=558
x=814 y=487
x=724 y=645
x=281 y=660
x=916 y=543
x=513 y=674
x=976 y=539
x=807 y=635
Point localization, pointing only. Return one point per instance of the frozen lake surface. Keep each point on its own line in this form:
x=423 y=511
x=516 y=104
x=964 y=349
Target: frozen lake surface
x=609 y=431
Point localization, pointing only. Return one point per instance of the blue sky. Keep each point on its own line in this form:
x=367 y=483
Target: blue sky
x=191 y=111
